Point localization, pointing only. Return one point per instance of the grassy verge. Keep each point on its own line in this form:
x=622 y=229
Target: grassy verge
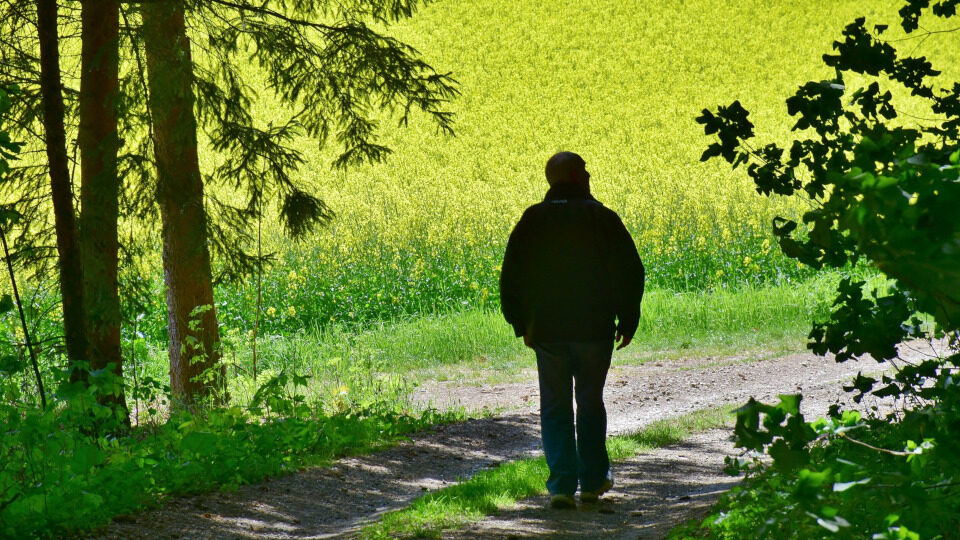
x=348 y=365
x=56 y=479
x=488 y=491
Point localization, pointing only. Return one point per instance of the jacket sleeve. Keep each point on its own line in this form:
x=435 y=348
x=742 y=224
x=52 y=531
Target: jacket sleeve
x=629 y=276
x=512 y=281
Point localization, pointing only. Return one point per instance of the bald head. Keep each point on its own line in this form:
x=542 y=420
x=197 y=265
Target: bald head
x=566 y=167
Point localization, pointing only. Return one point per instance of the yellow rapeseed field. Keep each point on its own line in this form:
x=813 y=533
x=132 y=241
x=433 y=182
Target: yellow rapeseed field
x=618 y=81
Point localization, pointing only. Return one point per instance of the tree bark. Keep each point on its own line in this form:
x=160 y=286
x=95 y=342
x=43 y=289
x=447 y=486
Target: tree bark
x=195 y=370
x=100 y=186
x=68 y=247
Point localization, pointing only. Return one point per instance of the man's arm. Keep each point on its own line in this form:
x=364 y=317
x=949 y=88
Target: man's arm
x=512 y=273
x=629 y=277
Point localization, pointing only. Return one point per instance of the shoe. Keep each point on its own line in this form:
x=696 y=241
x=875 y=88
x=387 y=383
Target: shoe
x=562 y=502
x=594 y=496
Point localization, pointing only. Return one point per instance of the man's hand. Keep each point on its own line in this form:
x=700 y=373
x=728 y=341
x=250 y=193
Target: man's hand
x=622 y=340
x=528 y=341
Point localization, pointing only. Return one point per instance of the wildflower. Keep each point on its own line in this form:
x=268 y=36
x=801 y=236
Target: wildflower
x=271 y=311
x=291 y=311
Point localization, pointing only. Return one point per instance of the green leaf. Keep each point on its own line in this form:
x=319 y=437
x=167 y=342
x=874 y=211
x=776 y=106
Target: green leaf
x=840 y=487
x=788 y=458
x=886 y=181
x=6 y=304
x=92 y=499
x=199 y=442
x=85 y=457
x=810 y=480
x=828 y=525
x=790 y=403
x=11 y=363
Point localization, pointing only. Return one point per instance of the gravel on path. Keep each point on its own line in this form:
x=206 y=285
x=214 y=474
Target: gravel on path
x=338 y=500
x=653 y=492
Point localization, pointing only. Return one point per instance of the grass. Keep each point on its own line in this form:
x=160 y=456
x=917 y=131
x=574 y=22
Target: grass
x=56 y=480
x=488 y=491
x=350 y=366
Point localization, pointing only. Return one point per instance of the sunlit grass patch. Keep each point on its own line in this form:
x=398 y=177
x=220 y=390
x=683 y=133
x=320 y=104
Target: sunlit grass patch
x=353 y=366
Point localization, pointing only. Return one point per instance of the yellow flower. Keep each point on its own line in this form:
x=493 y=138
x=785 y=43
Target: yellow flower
x=747 y=260
x=292 y=274
x=271 y=311
x=291 y=311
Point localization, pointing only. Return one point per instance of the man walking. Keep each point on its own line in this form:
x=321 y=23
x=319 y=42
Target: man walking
x=571 y=285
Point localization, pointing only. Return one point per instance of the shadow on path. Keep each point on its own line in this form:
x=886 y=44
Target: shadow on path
x=653 y=492
x=337 y=501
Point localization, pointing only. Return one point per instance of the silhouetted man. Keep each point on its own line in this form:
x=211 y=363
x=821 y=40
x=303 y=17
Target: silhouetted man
x=571 y=286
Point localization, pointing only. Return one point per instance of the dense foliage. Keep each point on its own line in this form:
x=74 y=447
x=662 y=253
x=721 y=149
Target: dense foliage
x=883 y=189
x=59 y=473
x=67 y=467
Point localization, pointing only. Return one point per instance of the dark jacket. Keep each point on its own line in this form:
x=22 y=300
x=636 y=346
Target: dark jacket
x=570 y=270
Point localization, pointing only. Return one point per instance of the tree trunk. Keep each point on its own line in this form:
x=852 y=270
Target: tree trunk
x=100 y=186
x=195 y=370
x=68 y=248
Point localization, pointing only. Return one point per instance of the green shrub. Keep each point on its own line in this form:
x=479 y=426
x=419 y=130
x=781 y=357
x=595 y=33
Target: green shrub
x=885 y=191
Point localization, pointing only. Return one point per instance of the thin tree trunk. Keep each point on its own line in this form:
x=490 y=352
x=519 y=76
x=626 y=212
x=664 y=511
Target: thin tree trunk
x=71 y=274
x=100 y=186
x=23 y=320
x=195 y=370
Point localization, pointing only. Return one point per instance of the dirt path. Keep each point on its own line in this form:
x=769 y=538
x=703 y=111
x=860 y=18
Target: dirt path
x=653 y=491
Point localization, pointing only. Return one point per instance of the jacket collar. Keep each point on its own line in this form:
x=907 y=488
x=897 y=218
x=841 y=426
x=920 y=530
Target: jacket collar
x=567 y=190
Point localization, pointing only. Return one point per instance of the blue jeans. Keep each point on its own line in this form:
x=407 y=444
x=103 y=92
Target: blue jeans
x=581 y=457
